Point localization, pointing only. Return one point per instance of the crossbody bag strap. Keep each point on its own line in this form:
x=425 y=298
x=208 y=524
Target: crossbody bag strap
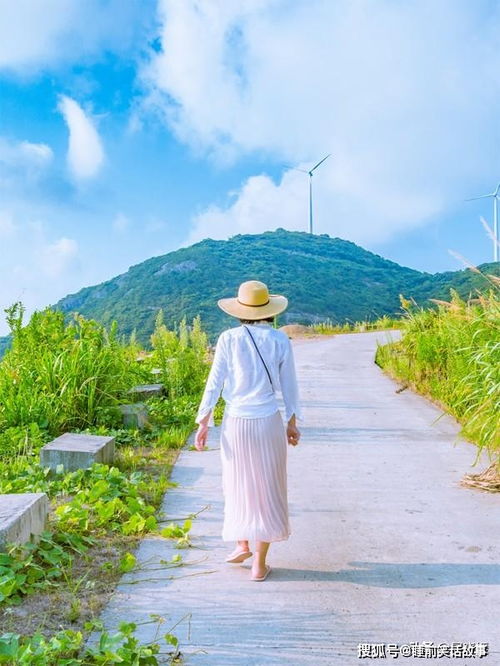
x=258 y=352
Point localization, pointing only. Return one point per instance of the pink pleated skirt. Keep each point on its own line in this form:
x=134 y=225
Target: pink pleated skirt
x=254 y=478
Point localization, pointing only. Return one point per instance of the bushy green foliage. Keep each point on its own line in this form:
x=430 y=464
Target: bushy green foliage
x=322 y=277
x=67 y=648
x=452 y=353
x=112 y=501
x=21 y=440
x=61 y=376
x=180 y=356
x=33 y=567
x=100 y=499
x=23 y=475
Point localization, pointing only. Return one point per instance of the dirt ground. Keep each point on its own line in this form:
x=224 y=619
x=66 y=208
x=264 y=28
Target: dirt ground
x=79 y=599
x=298 y=331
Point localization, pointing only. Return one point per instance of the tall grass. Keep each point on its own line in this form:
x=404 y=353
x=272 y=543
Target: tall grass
x=60 y=376
x=180 y=356
x=452 y=353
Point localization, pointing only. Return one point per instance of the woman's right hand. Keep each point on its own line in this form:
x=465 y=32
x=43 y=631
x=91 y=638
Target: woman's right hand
x=200 y=440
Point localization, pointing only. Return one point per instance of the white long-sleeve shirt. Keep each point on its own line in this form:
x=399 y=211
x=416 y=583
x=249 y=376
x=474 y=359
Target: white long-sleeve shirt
x=238 y=372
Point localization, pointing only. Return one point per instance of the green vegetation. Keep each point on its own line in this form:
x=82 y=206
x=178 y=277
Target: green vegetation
x=67 y=647
x=64 y=372
x=59 y=376
x=452 y=354
x=323 y=278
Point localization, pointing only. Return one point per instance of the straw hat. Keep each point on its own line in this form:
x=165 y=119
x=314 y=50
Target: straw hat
x=253 y=302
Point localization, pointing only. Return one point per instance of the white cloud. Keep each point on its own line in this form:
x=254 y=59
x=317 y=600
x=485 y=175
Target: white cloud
x=36 y=267
x=85 y=151
x=30 y=30
x=39 y=153
x=57 y=257
x=260 y=205
x=25 y=154
x=405 y=96
x=37 y=34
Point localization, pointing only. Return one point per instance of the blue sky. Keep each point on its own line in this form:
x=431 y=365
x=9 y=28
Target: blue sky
x=129 y=128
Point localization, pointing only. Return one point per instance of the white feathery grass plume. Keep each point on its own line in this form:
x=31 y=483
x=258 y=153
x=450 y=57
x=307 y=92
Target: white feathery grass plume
x=489 y=231
x=464 y=261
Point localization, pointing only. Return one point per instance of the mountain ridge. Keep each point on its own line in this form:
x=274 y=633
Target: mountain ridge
x=323 y=277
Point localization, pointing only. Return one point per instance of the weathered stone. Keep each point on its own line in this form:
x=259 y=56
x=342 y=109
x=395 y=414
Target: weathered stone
x=77 y=451
x=22 y=517
x=145 y=391
x=156 y=371
x=135 y=415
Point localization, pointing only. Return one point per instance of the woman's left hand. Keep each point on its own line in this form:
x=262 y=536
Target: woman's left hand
x=200 y=441
x=292 y=432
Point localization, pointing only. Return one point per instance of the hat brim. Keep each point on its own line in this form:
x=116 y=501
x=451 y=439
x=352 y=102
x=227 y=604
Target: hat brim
x=233 y=307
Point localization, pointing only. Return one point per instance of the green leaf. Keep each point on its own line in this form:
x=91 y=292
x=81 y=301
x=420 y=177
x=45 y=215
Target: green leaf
x=98 y=489
x=127 y=562
x=170 y=638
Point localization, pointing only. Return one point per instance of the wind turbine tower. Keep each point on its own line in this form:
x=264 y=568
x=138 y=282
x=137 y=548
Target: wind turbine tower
x=310 y=174
x=494 y=195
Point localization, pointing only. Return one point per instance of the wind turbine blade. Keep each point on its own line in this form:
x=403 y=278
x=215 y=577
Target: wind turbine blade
x=320 y=162
x=483 y=196
x=287 y=166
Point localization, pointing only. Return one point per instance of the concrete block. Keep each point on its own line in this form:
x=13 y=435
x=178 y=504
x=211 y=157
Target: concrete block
x=22 y=517
x=135 y=415
x=145 y=391
x=77 y=451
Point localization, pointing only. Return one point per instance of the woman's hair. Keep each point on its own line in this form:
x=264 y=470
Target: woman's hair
x=252 y=321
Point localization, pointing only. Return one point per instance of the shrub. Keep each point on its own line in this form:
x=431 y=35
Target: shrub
x=452 y=353
x=61 y=376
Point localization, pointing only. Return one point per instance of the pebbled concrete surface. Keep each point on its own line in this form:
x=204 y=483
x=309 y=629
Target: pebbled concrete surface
x=386 y=547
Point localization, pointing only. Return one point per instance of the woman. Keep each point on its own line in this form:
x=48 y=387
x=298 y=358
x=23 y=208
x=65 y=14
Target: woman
x=250 y=362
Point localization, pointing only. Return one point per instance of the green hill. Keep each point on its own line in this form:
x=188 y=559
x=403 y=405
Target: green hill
x=322 y=277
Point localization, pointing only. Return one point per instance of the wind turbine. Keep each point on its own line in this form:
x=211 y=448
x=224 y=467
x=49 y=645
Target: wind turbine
x=310 y=174
x=495 y=196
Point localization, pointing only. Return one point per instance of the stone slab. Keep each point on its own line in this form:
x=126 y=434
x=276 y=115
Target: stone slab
x=22 y=517
x=77 y=451
x=386 y=546
x=134 y=415
x=145 y=391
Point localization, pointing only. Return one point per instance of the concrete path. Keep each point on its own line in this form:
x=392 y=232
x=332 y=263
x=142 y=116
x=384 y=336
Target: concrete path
x=386 y=547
